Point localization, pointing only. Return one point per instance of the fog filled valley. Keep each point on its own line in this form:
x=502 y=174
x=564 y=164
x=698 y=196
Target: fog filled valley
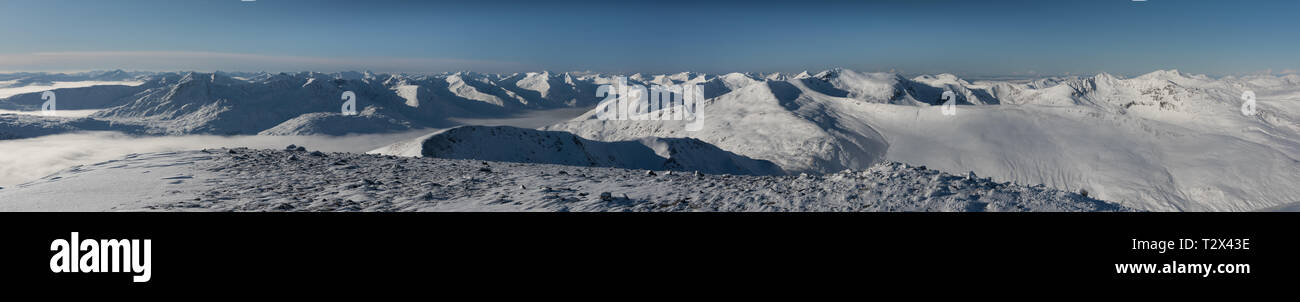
x=833 y=140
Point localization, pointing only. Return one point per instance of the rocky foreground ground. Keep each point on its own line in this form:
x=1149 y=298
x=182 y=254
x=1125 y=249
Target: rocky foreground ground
x=298 y=180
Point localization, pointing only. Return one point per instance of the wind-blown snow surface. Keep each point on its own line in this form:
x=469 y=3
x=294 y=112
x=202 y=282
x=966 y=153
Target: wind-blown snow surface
x=126 y=184
x=266 y=180
x=24 y=160
x=1163 y=141
x=1295 y=207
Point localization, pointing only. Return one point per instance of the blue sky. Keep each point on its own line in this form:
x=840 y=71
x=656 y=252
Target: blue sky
x=968 y=37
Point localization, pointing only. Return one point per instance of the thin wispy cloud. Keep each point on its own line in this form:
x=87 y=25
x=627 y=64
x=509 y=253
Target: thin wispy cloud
x=210 y=61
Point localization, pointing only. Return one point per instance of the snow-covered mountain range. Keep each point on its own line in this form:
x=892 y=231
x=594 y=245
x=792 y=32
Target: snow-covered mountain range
x=290 y=104
x=1161 y=141
x=1165 y=141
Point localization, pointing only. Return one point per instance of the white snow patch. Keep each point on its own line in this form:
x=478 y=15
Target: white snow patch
x=410 y=93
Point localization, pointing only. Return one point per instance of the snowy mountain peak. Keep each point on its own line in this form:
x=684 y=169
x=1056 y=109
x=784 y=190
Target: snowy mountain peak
x=1164 y=74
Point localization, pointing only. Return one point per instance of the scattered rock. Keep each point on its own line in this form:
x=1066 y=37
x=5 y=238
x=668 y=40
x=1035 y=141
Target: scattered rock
x=415 y=184
x=317 y=153
x=291 y=148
